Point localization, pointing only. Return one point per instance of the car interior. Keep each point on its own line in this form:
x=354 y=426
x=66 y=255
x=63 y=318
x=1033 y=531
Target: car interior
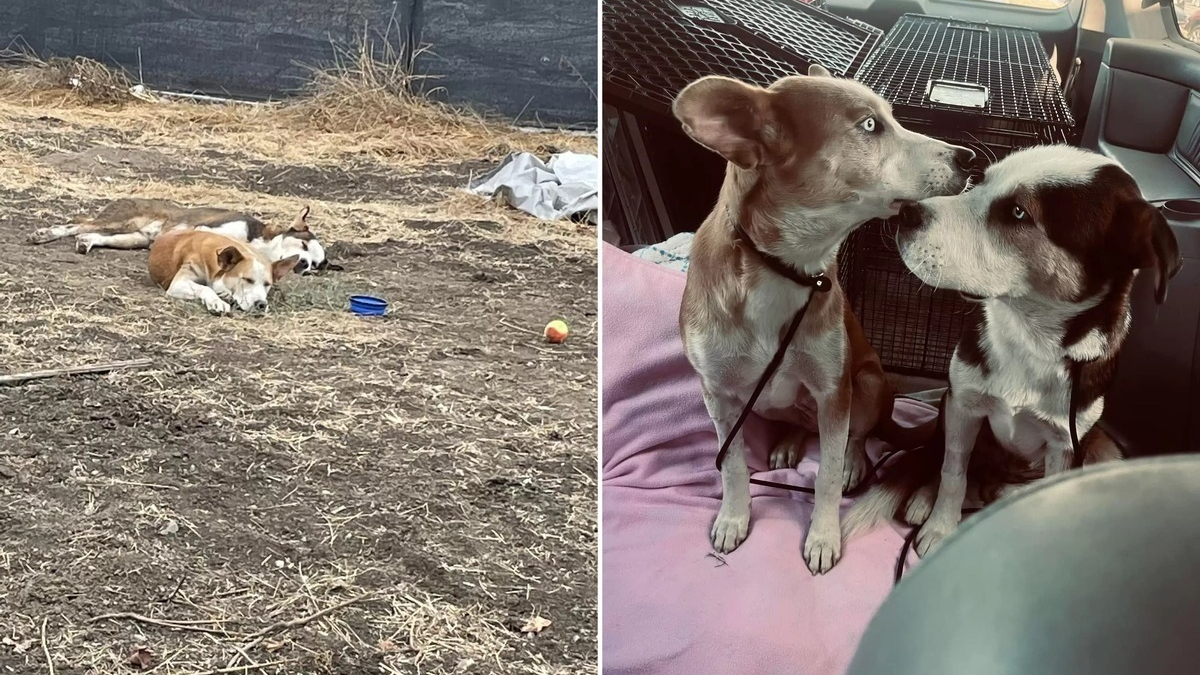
x=1127 y=71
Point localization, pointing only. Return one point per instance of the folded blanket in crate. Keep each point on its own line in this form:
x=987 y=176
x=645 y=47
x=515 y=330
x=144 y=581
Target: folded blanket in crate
x=671 y=607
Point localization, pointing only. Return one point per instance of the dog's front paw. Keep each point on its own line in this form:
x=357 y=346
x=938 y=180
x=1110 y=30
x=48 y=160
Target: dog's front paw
x=932 y=534
x=919 y=506
x=85 y=242
x=42 y=235
x=854 y=470
x=788 y=452
x=217 y=305
x=730 y=528
x=822 y=548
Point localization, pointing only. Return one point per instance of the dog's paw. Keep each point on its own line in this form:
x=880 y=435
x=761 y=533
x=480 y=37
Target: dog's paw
x=42 y=235
x=730 y=528
x=931 y=536
x=919 y=506
x=788 y=452
x=85 y=242
x=217 y=305
x=822 y=548
x=854 y=470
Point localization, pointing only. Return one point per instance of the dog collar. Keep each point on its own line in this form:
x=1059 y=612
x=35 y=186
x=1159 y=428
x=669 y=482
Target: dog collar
x=818 y=282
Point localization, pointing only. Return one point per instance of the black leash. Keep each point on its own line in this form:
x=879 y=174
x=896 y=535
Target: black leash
x=819 y=283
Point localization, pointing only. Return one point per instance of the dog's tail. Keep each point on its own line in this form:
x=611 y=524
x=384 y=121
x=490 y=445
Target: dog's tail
x=918 y=463
x=914 y=468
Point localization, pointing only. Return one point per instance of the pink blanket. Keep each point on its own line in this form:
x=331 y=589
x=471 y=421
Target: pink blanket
x=669 y=606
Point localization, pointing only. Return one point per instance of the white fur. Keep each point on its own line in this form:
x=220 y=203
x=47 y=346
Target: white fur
x=183 y=287
x=234 y=229
x=249 y=293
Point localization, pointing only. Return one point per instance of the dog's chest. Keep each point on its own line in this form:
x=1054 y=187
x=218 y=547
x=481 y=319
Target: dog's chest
x=806 y=359
x=1024 y=392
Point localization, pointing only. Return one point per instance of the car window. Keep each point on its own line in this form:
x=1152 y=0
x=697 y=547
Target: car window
x=1187 y=15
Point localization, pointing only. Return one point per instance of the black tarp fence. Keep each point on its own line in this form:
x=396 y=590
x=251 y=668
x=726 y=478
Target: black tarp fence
x=532 y=62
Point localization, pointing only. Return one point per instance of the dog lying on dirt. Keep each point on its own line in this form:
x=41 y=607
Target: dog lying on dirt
x=810 y=159
x=214 y=269
x=1049 y=243
x=133 y=223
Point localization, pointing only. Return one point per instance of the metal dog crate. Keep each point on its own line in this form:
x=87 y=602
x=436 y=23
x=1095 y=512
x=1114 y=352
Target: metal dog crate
x=1002 y=96
x=659 y=180
x=655 y=48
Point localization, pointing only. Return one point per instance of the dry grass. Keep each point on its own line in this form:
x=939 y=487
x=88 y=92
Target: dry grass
x=435 y=466
x=57 y=81
x=361 y=105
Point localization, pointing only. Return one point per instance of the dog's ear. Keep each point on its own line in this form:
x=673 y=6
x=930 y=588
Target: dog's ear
x=818 y=70
x=228 y=257
x=280 y=268
x=727 y=117
x=300 y=224
x=1151 y=243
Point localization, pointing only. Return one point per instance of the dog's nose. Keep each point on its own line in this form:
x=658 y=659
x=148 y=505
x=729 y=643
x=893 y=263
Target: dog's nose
x=911 y=214
x=964 y=158
x=260 y=306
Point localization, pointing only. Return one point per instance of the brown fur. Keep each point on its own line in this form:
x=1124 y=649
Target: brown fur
x=209 y=256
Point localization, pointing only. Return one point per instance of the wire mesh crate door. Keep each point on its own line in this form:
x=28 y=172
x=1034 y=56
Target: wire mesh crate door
x=912 y=326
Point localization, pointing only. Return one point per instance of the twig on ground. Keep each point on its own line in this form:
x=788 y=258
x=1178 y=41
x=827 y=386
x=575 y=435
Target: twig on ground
x=244 y=668
x=46 y=648
x=21 y=378
x=257 y=638
x=165 y=623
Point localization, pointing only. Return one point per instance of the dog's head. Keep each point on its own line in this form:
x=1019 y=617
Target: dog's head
x=820 y=144
x=246 y=280
x=297 y=241
x=1053 y=221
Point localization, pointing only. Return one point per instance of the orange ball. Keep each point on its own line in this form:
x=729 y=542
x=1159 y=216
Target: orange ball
x=556 y=331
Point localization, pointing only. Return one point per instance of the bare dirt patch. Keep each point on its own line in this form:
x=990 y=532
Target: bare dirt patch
x=428 y=478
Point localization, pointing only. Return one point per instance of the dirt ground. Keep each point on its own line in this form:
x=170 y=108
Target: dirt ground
x=308 y=491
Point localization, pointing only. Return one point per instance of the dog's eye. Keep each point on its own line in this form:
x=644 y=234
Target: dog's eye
x=248 y=280
x=1018 y=213
x=869 y=125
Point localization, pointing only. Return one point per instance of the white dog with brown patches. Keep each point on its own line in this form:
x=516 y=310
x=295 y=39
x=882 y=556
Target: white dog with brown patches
x=1049 y=243
x=214 y=269
x=134 y=223
x=810 y=159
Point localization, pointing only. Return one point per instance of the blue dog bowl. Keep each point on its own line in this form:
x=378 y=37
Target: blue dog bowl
x=367 y=305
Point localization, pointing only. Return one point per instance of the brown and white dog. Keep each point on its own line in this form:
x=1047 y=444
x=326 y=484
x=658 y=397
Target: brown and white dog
x=134 y=223
x=1049 y=243
x=810 y=159
x=214 y=269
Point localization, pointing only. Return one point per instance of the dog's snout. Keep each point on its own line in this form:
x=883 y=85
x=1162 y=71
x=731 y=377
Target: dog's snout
x=260 y=306
x=911 y=215
x=964 y=158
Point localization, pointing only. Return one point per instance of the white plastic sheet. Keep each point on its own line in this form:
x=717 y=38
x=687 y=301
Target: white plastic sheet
x=568 y=186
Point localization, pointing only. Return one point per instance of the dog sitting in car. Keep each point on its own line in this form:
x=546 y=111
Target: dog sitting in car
x=1048 y=244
